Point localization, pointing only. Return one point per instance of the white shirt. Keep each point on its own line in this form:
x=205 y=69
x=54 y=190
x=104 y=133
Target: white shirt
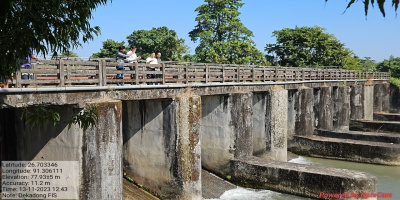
x=132 y=58
x=150 y=60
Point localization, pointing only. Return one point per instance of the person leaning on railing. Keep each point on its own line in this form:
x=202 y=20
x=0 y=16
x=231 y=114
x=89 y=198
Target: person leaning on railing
x=133 y=58
x=151 y=60
x=26 y=63
x=120 y=57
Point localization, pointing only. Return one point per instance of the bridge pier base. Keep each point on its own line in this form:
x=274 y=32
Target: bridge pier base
x=362 y=105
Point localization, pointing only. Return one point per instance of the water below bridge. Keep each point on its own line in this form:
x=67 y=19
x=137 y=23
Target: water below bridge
x=388 y=180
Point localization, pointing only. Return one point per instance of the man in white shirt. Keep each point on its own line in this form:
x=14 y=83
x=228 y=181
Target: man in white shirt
x=152 y=60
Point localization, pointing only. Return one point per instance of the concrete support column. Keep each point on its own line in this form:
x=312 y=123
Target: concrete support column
x=304 y=124
x=368 y=113
x=292 y=98
x=381 y=97
x=188 y=116
x=102 y=158
x=323 y=108
x=356 y=102
x=226 y=130
x=162 y=145
x=394 y=99
x=277 y=109
x=341 y=108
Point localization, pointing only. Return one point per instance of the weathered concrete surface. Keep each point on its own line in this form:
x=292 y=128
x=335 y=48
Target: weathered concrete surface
x=356 y=102
x=277 y=126
x=270 y=124
x=358 y=135
x=304 y=123
x=346 y=149
x=226 y=130
x=323 y=108
x=162 y=145
x=341 y=108
x=102 y=149
x=64 y=97
x=368 y=113
x=133 y=192
x=381 y=116
x=292 y=98
x=97 y=149
x=188 y=116
x=213 y=186
x=260 y=118
x=394 y=99
x=298 y=179
x=381 y=97
x=375 y=126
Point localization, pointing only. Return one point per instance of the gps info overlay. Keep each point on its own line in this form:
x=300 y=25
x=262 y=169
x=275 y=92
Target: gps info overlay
x=40 y=180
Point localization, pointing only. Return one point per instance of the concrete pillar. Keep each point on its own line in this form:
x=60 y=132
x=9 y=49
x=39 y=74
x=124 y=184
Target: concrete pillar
x=381 y=97
x=102 y=155
x=323 y=108
x=292 y=98
x=226 y=130
x=341 y=108
x=304 y=124
x=188 y=116
x=368 y=113
x=356 y=102
x=277 y=126
x=162 y=145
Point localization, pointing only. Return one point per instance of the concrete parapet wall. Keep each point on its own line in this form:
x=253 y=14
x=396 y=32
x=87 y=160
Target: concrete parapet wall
x=302 y=180
x=345 y=149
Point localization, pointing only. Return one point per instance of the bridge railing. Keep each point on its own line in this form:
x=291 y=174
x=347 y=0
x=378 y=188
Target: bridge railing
x=102 y=73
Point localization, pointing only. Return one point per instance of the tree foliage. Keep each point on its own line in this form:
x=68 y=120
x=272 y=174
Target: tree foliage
x=307 y=47
x=159 y=39
x=380 y=3
x=69 y=54
x=110 y=48
x=391 y=65
x=46 y=26
x=222 y=36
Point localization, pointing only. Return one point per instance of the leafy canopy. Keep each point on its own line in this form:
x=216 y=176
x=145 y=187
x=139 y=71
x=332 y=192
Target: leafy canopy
x=46 y=26
x=381 y=4
x=110 y=48
x=159 y=39
x=222 y=36
x=391 y=65
x=307 y=47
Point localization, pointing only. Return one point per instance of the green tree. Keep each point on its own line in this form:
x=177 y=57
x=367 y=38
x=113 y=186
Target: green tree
x=159 y=39
x=307 y=47
x=367 y=64
x=222 y=36
x=46 y=26
x=391 y=65
x=110 y=48
x=69 y=54
x=352 y=62
x=380 y=3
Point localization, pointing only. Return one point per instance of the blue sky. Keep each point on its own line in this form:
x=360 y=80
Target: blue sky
x=372 y=36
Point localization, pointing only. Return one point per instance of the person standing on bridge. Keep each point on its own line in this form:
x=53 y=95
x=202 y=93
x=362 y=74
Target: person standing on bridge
x=151 y=60
x=26 y=63
x=133 y=58
x=120 y=57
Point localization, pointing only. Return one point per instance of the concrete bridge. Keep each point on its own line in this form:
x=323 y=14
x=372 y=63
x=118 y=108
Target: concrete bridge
x=236 y=121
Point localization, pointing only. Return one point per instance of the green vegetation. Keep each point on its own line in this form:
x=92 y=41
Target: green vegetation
x=60 y=26
x=39 y=115
x=307 y=47
x=221 y=35
x=110 y=48
x=159 y=39
x=380 y=3
x=395 y=81
x=86 y=118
